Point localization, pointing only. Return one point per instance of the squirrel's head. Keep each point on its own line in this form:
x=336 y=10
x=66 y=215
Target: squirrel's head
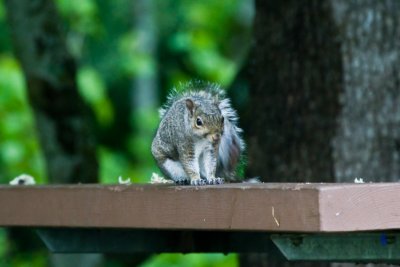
x=205 y=119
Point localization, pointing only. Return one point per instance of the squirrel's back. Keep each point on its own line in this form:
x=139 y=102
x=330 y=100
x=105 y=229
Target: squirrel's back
x=195 y=90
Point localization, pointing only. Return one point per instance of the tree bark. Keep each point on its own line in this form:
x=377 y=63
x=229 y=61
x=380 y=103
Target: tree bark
x=294 y=96
x=61 y=116
x=295 y=82
x=367 y=143
x=325 y=95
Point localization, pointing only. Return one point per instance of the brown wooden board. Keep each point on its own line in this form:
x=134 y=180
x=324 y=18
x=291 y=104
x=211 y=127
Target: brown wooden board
x=260 y=207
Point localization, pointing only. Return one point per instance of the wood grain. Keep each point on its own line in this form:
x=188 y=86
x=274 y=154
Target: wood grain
x=353 y=207
x=260 y=207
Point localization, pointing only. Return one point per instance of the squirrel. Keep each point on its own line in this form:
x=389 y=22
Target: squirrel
x=198 y=141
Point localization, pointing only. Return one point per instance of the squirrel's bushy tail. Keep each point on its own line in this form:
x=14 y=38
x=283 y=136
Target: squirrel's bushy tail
x=232 y=144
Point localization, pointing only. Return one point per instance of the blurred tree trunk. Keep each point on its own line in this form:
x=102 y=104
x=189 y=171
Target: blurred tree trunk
x=144 y=90
x=295 y=84
x=367 y=143
x=144 y=85
x=61 y=115
x=325 y=88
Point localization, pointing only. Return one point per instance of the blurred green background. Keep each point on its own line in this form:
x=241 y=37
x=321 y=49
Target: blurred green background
x=130 y=53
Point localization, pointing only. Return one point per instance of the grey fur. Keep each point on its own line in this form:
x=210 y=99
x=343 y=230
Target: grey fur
x=199 y=155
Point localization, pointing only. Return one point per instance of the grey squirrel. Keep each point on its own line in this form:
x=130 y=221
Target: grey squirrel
x=198 y=141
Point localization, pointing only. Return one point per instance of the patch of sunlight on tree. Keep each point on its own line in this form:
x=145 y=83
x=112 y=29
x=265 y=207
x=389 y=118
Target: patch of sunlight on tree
x=20 y=151
x=192 y=260
x=94 y=92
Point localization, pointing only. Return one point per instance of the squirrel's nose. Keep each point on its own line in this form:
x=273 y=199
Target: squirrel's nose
x=216 y=137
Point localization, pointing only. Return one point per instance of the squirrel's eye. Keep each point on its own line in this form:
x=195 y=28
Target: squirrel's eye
x=199 y=122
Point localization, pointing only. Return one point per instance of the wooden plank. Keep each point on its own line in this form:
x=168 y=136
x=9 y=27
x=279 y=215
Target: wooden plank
x=260 y=207
x=360 y=207
x=226 y=207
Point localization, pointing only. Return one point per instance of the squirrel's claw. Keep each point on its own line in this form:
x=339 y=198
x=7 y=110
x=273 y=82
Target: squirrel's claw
x=198 y=182
x=220 y=180
x=215 y=181
x=182 y=182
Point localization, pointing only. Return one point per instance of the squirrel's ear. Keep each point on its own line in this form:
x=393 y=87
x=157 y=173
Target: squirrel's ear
x=190 y=106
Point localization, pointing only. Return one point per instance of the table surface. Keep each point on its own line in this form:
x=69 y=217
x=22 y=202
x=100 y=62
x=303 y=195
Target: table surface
x=272 y=207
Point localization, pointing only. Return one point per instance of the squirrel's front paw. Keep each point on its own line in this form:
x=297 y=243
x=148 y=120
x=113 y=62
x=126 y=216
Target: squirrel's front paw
x=215 y=181
x=182 y=182
x=198 y=182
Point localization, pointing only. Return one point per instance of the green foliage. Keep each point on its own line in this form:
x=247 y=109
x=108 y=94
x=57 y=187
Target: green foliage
x=113 y=165
x=139 y=143
x=133 y=61
x=23 y=259
x=2 y=12
x=193 y=40
x=3 y=244
x=193 y=260
x=82 y=15
x=29 y=259
x=4 y=40
x=19 y=147
x=93 y=90
x=208 y=34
